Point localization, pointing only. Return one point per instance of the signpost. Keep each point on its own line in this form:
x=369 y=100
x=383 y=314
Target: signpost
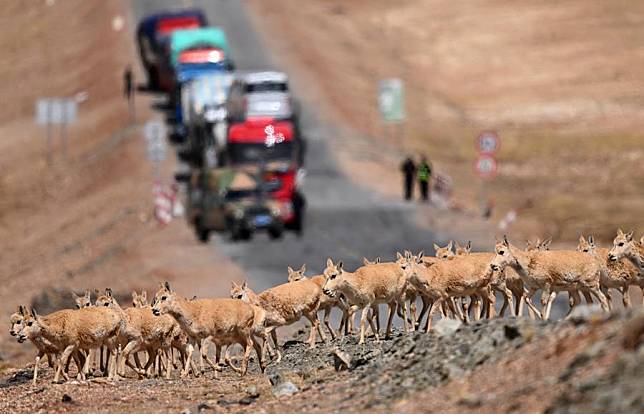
x=59 y=111
x=154 y=132
x=391 y=104
x=487 y=144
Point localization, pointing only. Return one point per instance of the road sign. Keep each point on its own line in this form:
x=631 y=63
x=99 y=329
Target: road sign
x=391 y=100
x=56 y=111
x=485 y=166
x=488 y=142
x=154 y=132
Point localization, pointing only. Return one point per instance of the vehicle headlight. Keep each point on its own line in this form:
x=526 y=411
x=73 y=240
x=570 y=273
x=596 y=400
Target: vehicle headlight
x=239 y=214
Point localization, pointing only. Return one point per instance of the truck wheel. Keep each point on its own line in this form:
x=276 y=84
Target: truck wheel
x=203 y=235
x=275 y=233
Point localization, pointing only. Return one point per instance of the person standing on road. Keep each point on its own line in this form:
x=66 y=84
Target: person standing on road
x=424 y=177
x=408 y=169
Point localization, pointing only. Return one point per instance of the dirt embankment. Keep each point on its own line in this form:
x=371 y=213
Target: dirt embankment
x=559 y=81
x=589 y=365
x=84 y=222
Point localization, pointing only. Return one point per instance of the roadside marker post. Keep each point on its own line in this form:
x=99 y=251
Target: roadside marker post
x=56 y=111
x=154 y=133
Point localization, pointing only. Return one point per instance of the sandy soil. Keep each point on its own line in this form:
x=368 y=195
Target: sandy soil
x=84 y=222
x=559 y=82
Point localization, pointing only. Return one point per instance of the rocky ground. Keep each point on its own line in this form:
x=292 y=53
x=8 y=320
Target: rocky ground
x=588 y=364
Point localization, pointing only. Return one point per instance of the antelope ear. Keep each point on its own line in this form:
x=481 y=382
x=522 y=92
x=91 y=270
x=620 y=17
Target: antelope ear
x=546 y=243
x=505 y=240
x=377 y=259
x=290 y=270
x=339 y=265
x=469 y=245
x=166 y=285
x=436 y=247
x=144 y=295
x=75 y=296
x=366 y=262
x=642 y=240
x=399 y=256
x=34 y=313
x=420 y=255
x=591 y=240
x=87 y=294
x=134 y=295
x=620 y=232
x=108 y=292
x=629 y=235
x=22 y=310
x=329 y=262
x=450 y=245
x=302 y=269
x=581 y=239
x=244 y=285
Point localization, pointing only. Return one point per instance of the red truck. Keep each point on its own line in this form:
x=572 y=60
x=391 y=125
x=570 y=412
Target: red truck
x=247 y=146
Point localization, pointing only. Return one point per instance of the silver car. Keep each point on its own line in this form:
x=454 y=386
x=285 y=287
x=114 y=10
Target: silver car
x=259 y=95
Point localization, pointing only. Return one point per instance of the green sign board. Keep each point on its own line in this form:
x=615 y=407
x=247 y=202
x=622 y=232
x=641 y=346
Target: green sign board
x=391 y=100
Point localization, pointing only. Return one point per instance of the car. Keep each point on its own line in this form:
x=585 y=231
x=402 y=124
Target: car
x=233 y=201
x=153 y=34
x=260 y=95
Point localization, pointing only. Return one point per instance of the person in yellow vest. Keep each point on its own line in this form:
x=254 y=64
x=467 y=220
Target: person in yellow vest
x=424 y=175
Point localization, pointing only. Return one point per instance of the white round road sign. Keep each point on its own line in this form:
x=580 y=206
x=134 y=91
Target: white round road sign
x=488 y=142
x=485 y=166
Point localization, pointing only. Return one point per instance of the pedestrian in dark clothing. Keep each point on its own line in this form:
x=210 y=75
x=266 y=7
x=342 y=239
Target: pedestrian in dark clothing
x=127 y=82
x=408 y=169
x=128 y=91
x=424 y=177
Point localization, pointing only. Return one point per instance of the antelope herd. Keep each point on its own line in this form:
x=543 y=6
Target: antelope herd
x=456 y=283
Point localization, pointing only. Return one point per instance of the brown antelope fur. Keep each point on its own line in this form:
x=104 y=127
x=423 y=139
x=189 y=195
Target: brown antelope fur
x=366 y=288
x=43 y=346
x=225 y=321
x=84 y=301
x=285 y=304
x=326 y=302
x=141 y=331
x=75 y=330
x=551 y=271
x=461 y=276
x=625 y=246
x=179 y=338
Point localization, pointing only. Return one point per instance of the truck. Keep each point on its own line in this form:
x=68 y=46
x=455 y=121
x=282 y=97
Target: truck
x=194 y=53
x=234 y=201
x=204 y=114
x=276 y=163
x=152 y=37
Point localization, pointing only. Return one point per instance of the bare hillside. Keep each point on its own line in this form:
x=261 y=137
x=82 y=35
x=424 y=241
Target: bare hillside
x=85 y=222
x=559 y=81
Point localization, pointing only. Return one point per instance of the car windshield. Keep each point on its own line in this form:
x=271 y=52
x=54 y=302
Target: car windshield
x=232 y=195
x=266 y=87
